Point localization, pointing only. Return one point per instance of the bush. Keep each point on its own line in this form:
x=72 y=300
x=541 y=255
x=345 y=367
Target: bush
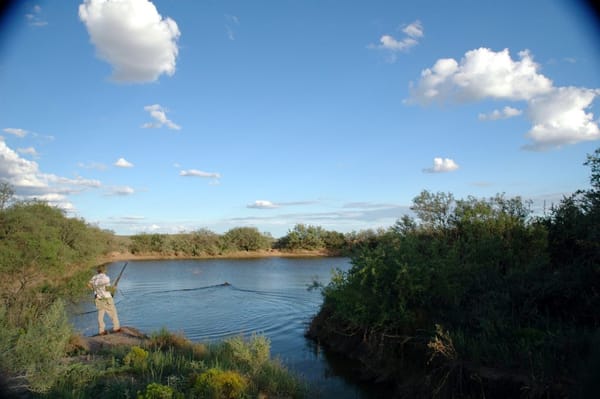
x=218 y=384
x=248 y=355
x=37 y=349
x=137 y=358
x=157 y=391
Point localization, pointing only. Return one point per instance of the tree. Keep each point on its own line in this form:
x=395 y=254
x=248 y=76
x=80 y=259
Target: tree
x=6 y=194
x=433 y=210
x=246 y=239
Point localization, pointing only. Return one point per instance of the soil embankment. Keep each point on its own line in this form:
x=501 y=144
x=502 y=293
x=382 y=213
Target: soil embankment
x=127 y=336
x=126 y=256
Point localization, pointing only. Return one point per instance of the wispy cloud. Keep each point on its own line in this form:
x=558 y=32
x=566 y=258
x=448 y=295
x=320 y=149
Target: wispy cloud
x=352 y=216
x=231 y=24
x=558 y=114
x=15 y=131
x=120 y=191
x=262 y=204
x=201 y=174
x=442 y=165
x=34 y=18
x=28 y=151
x=132 y=37
x=92 y=165
x=504 y=113
x=123 y=163
x=160 y=118
x=412 y=33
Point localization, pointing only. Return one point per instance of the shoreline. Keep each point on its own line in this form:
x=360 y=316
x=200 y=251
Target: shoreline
x=127 y=256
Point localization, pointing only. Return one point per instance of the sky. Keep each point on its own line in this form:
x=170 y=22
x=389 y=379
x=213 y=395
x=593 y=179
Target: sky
x=171 y=116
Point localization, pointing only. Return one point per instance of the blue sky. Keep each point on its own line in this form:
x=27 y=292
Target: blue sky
x=175 y=115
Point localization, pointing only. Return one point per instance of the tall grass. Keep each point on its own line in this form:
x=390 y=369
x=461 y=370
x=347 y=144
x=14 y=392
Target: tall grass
x=170 y=366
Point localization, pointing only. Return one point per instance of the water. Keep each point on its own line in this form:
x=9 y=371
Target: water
x=265 y=296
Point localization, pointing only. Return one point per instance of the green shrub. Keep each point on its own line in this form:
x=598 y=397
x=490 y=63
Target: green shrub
x=137 y=358
x=249 y=355
x=157 y=391
x=219 y=384
x=40 y=347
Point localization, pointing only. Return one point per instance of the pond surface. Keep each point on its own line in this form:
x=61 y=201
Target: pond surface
x=267 y=296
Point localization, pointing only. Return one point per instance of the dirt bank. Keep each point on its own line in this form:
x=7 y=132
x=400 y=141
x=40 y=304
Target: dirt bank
x=127 y=336
x=127 y=256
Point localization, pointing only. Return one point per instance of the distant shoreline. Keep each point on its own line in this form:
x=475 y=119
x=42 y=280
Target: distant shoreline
x=127 y=256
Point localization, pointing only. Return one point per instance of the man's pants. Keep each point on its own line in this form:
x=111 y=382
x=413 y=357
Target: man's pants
x=106 y=305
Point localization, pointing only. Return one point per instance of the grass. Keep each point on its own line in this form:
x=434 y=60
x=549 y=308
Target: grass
x=169 y=365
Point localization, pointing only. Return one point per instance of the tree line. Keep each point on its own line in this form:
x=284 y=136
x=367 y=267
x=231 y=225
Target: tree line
x=204 y=242
x=476 y=298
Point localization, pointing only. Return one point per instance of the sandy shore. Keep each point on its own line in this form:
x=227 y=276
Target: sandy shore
x=126 y=256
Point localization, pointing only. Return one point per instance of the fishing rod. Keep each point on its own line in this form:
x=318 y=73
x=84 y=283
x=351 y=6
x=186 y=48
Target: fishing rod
x=114 y=286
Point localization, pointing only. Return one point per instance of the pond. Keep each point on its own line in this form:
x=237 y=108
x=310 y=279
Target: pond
x=209 y=300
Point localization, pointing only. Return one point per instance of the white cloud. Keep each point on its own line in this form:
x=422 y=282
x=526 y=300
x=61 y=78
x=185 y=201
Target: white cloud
x=505 y=113
x=92 y=165
x=27 y=151
x=133 y=37
x=34 y=18
x=441 y=165
x=121 y=190
x=263 y=204
x=412 y=32
x=560 y=118
x=29 y=182
x=160 y=116
x=482 y=73
x=123 y=163
x=231 y=20
x=199 y=173
x=558 y=114
x=15 y=131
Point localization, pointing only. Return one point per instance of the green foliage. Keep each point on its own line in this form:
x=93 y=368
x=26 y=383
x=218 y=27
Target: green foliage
x=245 y=239
x=311 y=238
x=6 y=194
x=512 y=292
x=157 y=391
x=36 y=348
x=249 y=355
x=137 y=358
x=219 y=384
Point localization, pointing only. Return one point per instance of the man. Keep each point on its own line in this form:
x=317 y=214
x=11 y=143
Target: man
x=100 y=283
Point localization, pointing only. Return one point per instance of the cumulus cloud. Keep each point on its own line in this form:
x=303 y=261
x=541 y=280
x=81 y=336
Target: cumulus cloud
x=504 y=113
x=560 y=118
x=482 y=73
x=199 y=173
x=442 y=165
x=412 y=33
x=263 y=204
x=15 y=131
x=29 y=182
x=123 y=163
x=132 y=37
x=559 y=115
x=160 y=116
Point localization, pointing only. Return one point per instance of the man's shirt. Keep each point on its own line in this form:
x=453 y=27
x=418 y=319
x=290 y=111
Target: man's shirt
x=99 y=282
